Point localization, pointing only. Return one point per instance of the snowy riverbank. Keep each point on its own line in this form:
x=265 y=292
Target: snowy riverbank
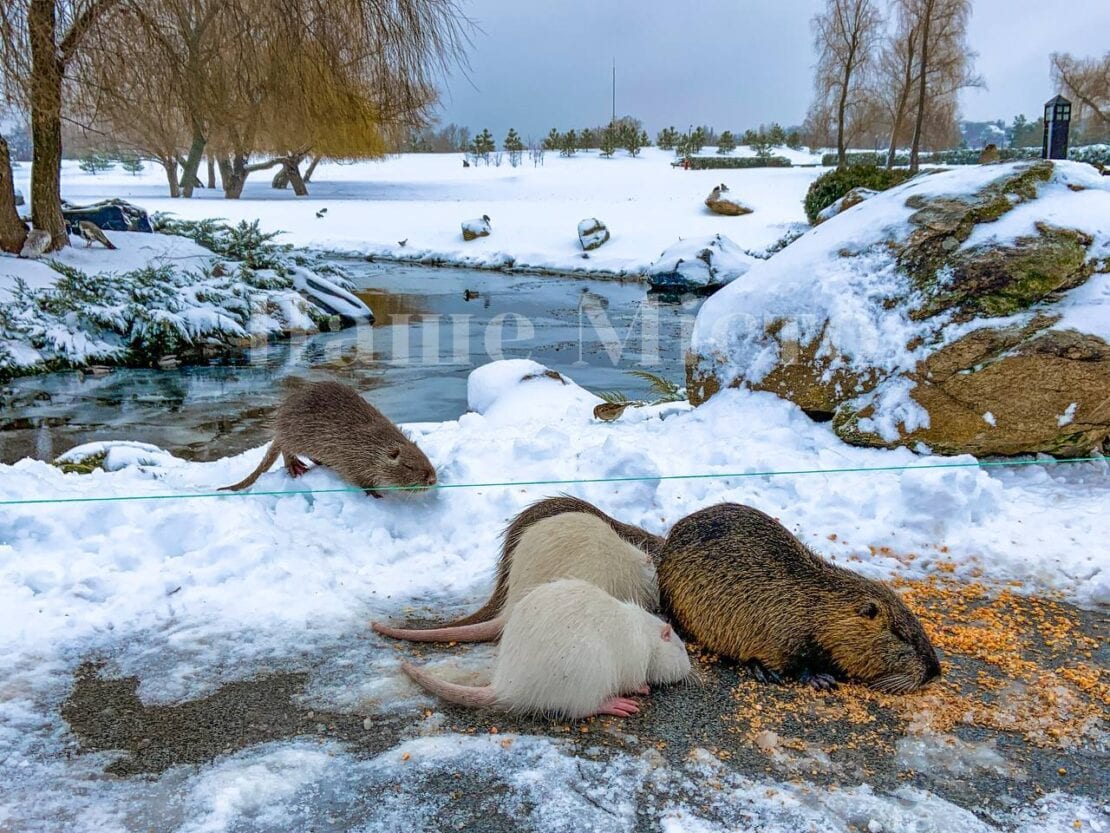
x=422 y=199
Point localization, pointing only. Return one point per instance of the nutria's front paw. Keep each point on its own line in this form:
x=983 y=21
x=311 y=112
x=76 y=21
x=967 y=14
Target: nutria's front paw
x=762 y=673
x=374 y=494
x=820 y=682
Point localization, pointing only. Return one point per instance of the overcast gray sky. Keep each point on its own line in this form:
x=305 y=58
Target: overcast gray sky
x=729 y=63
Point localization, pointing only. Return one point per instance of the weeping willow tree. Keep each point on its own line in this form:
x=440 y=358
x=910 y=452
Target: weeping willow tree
x=259 y=84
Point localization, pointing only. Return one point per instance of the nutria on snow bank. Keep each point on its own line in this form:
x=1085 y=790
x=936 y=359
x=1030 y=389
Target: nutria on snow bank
x=333 y=426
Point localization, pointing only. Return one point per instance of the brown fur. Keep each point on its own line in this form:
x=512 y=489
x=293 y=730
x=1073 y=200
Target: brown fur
x=333 y=426
x=739 y=583
x=547 y=508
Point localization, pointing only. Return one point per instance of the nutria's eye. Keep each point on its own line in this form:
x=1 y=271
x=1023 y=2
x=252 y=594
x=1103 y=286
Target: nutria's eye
x=869 y=610
x=394 y=453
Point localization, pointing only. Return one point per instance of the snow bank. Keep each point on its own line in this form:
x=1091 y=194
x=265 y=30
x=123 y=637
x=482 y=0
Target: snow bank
x=74 y=575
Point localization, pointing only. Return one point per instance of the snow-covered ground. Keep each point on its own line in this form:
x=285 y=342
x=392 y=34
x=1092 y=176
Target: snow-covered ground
x=191 y=592
x=424 y=198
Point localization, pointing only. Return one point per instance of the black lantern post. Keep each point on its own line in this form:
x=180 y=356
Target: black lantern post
x=1057 y=120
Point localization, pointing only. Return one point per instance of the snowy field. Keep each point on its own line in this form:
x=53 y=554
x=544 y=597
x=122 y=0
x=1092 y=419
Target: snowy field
x=534 y=211
x=193 y=592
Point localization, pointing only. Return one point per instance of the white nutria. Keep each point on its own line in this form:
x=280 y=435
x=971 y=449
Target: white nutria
x=569 y=649
x=569 y=545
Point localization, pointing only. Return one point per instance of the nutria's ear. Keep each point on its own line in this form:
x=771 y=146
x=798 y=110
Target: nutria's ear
x=869 y=610
x=394 y=453
x=666 y=633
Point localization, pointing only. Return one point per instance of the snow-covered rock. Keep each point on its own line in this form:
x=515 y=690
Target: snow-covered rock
x=853 y=197
x=718 y=203
x=699 y=263
x=983 y=289
x=328 y=296
x=592 y=233
x=473 y=229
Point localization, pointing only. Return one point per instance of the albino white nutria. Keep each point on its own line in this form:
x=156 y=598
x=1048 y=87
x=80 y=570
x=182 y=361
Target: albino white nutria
x=570 y=545
x=569 y=649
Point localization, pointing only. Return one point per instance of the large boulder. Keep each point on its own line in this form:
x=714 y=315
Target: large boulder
x=963 y=311
x=592 y=233
x=719 y=203
x=109 y=215
x=699 y=263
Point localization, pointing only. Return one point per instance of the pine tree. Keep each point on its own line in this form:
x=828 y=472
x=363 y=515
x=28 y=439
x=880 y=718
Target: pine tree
x=667 y=138
x=484 y=145
x=608 y=144
x=587 y=139
x=554 y=140
x=569 y=143
x=94 y=162
x=630 y=140
x=513 y=146
x=132 y=163
x=726 y=143
x=697 y=140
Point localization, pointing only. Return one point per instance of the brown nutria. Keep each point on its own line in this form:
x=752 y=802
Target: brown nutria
x=546 y=508
x=577 y=545
x=735 y=580
x=571 y=649
x=333 y=426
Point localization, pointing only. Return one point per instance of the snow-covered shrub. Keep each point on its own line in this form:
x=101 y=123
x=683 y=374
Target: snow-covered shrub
x=139 y=316
x=245 y=241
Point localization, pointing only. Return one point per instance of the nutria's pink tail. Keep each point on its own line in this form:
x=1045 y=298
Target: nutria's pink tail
x=272 y=454
x=476 y=697
x=478 y=632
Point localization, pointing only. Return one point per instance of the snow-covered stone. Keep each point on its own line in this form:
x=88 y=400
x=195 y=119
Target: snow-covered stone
x=592 y=233
x=972 y=291
x=719 y=203
x=473 y=229
x=853 y=197
x=699 y=263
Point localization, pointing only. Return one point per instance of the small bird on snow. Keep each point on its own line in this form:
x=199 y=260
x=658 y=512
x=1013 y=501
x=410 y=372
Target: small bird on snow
x=37 y=242
x=92 y=234
x=403 y=243
x=321 y=213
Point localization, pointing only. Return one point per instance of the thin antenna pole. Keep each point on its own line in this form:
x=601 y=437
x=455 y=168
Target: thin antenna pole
x=614 y=119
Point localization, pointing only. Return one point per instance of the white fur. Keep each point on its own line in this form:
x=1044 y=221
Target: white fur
x=569 y=646
x=581 y=546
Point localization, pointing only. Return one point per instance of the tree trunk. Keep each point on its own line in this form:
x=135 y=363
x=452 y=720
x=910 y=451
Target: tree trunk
x=900 y=112
x=211 y=173
x=915 y=150
x=292 y=168
x=233 y=173
x=12 y=230
x=191 y=164
x=311 y=169
x=841 y=109
x=170 y=166
x=46 y=123
x=281 y=180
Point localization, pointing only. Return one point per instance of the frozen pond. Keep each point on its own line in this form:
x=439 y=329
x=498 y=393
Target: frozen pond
x=434 y=325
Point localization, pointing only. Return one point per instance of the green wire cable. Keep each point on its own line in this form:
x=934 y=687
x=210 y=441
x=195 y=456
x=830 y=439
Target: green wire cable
x=508 y=484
